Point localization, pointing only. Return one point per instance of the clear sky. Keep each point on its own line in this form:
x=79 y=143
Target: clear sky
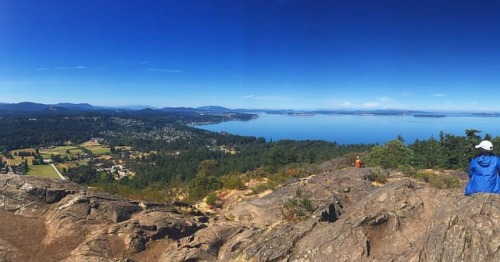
x=293 y=54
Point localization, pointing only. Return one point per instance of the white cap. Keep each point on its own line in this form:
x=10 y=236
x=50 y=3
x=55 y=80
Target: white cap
x=486 y=145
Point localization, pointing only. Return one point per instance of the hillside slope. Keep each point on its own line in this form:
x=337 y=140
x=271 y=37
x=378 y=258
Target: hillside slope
x=349 y=220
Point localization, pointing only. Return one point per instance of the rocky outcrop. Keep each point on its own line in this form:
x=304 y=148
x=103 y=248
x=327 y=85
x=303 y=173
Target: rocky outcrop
x=73 y=223
x=342 y=217
x=353 y=220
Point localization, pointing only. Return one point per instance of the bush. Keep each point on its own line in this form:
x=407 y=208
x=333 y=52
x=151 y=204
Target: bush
x=378 y=175
x=260 y=188
x=300 y=207
x=276 y=180
x=232 y=181
x=407 y=170
x=258 y=173
x=212 y=199
x=390 y=155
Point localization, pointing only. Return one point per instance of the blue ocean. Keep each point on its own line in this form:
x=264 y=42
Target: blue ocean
x=353 y=129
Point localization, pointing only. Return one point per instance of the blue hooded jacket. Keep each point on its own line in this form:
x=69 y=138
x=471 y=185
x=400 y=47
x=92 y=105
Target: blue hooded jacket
x=483 y=175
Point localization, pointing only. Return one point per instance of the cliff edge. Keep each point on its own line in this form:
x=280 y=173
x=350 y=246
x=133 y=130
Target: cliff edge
x=332 y=216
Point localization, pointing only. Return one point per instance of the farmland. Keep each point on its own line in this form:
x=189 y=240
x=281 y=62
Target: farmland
x=43 y=171
x=66 y=156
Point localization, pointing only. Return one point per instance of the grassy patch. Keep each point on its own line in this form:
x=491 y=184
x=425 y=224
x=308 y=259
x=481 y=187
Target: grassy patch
x=98 y=150
x=62 y=151
x=70 y=164
x=150 y=194
x=43 y=171
x=437 y=180
x=260 y=188
x=15 y=161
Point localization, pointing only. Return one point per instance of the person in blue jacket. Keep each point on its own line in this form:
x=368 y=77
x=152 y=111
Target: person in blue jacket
x=484 y=170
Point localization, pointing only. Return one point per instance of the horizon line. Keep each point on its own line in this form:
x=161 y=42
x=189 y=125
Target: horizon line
x=140 y=107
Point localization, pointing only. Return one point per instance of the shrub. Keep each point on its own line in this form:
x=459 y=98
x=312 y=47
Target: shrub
x=258 y=173
x=407 y=170
x=212 y=199
x=437 y=180
x=298 y=208
x=378 y=175
x=232 y=181
x=277 y=179
x=260 y=188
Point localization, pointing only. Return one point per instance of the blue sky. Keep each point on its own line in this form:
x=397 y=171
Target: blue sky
x=299 y=54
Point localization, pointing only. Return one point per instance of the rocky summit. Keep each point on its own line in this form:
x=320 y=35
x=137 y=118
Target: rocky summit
x=332 y=216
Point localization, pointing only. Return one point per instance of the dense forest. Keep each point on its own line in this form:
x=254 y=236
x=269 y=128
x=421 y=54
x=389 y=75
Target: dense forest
x=35 y=129
x=175 y=155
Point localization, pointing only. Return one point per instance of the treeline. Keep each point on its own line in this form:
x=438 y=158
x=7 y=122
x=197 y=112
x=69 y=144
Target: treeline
x=167 y=168
x=447 y=152
x=172 y=167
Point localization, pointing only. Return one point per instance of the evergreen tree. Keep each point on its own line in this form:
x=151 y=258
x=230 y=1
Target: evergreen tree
x=428 y=154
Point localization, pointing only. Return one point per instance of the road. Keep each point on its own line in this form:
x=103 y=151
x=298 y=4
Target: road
x=59 y=173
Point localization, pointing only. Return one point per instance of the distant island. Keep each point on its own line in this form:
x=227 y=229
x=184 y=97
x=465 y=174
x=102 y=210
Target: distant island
x=232 y=114
x=301 y=114
x=430 y=116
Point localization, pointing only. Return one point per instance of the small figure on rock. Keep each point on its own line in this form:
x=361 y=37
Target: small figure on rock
x=484 y=170
x=358 y=162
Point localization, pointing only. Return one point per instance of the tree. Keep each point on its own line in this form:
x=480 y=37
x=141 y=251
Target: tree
x=428 y=154
x=24 y=167
x=390 y=155
x=205 y=181
x=458 y=150
x=471 y=134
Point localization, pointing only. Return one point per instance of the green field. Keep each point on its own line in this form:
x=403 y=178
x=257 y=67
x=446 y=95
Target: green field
x=43 y=170
x=63 y=151
x=71 y=151
x=98 y=150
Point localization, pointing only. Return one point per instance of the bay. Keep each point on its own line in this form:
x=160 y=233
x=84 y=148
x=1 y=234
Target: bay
x=353 y=129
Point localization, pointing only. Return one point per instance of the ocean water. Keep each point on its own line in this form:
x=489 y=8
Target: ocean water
x=351 y=129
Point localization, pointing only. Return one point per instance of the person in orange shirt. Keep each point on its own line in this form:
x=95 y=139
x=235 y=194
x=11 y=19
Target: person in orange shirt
x=358 y=163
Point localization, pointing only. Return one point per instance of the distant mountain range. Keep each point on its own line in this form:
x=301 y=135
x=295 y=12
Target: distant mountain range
x=31 y=107
x=34 y=107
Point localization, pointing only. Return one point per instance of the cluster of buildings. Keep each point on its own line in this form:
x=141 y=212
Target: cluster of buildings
x=118 y=171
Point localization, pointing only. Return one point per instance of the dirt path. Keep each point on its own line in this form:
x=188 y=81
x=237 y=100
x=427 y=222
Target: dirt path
x=58 y=173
